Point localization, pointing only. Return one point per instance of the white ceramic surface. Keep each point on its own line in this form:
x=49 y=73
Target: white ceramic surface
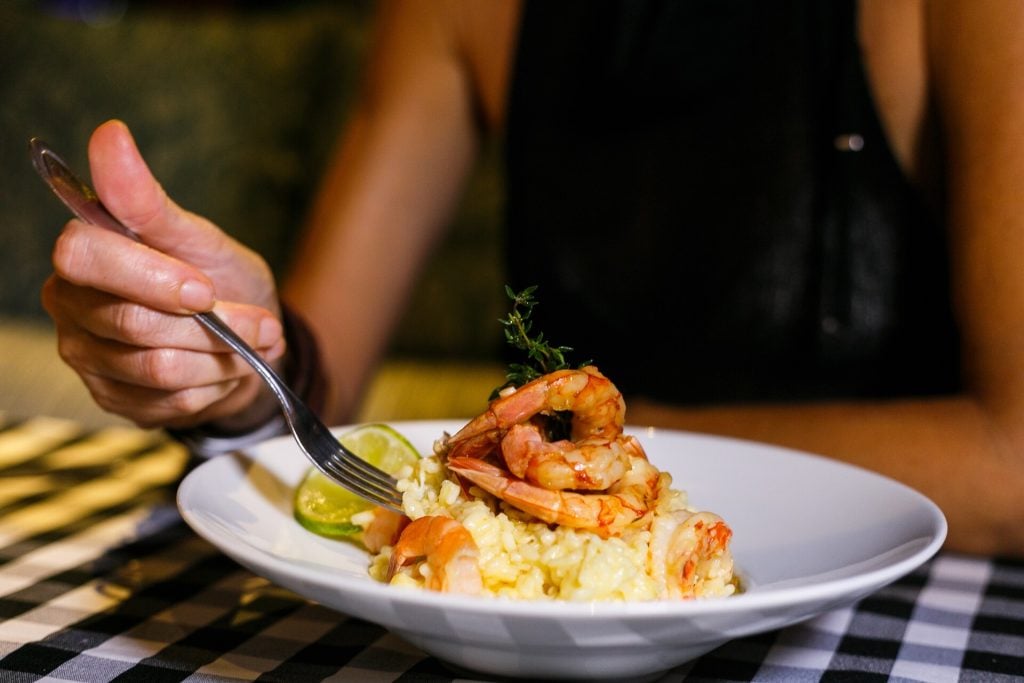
x=810 y=535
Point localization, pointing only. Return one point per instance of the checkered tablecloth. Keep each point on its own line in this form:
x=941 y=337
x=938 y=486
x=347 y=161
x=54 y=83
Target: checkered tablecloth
x=100 y=580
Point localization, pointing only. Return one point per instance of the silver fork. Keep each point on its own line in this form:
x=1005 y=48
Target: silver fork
x=316 y=441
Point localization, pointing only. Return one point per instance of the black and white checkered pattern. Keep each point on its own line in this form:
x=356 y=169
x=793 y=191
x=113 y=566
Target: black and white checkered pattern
x=100 y=580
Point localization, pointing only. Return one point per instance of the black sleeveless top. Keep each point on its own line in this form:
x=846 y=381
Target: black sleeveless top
x=705 y=197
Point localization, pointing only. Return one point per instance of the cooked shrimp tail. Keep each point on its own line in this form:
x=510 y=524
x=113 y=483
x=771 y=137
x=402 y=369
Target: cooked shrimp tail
x=591 y=465
x=593 y=457
x=699 y=540
x=384 y=530
x=450 y=554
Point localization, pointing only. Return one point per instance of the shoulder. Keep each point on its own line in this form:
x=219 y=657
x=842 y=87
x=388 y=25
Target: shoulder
x=472 y=41
x=486 y=35
x=975 y=52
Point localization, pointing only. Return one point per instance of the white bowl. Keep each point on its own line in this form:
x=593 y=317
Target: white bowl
x=810 y=535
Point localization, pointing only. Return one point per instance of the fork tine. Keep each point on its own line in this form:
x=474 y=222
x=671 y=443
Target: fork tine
x=368 y=470
x=388 y=498
x=346 y=465
x=351 y=471
x=361 y=467
x=347 y=479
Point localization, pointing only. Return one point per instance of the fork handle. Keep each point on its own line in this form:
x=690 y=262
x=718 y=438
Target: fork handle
x=212 y=322
x=75 y=194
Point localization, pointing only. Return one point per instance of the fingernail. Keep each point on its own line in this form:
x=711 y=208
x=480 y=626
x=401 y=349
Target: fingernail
x=195 y=296
x=274 y=352
x=269 y=332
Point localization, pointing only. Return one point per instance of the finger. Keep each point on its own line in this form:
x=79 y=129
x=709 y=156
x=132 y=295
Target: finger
x=127 y=187
x=152 y=408
x=95 y=257
x=112 y=318
x=163 y=369
x=166 y=369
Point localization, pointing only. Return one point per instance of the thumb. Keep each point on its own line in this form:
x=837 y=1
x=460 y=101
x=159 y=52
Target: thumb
x=129 y=191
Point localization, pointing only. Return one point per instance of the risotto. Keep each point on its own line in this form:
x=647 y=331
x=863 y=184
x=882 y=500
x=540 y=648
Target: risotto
x=673 y=552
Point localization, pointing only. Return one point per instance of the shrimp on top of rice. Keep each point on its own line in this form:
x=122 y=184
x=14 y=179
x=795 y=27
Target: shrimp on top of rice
x=508 y=507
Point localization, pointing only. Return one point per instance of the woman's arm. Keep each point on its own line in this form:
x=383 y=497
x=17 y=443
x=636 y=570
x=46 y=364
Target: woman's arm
x=389 y=192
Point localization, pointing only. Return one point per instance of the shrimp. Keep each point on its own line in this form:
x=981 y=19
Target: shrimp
x=695 y=541
x=451 y=555
x=591 y=464
x=625 y=503
x=593 y=458
x=384 y=529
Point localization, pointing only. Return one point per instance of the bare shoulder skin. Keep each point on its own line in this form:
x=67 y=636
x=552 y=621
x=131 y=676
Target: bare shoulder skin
x=893 y=43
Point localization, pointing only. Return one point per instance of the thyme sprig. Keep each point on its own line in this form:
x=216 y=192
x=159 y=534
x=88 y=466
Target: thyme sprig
x=541 y=356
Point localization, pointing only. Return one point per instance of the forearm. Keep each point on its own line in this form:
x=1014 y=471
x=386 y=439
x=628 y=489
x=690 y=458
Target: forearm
x=353 y=281
x=951 y=449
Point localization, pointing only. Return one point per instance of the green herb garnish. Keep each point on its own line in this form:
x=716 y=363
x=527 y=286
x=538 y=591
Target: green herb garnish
x=541 y=356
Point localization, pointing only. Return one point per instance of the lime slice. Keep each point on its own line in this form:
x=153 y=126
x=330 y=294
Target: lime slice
x=326 y=508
